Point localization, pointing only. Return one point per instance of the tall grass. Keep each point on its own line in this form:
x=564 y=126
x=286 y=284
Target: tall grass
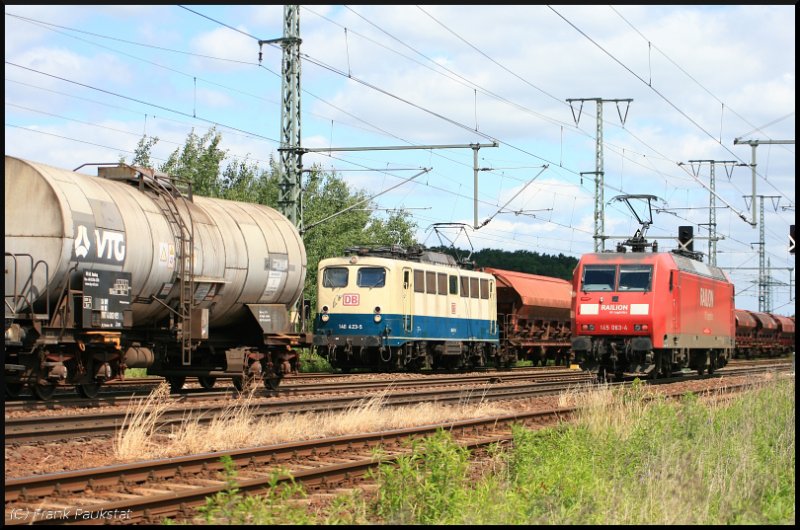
x=624 y=460
x=239 y=424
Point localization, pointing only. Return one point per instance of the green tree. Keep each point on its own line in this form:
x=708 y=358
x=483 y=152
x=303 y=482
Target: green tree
x=326 y=198
x=141 y=155
x=199 y=162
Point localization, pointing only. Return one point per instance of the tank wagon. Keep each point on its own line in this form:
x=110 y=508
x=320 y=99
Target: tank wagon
x=533 y=313
x=650 y=313
x=396 y=309
x=128 y=269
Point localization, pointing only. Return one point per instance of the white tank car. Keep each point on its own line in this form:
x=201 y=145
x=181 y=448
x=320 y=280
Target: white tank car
x=124 y=269
x=243 y=253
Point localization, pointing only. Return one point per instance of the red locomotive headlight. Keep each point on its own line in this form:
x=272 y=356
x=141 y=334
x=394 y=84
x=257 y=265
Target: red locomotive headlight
x=640 y=327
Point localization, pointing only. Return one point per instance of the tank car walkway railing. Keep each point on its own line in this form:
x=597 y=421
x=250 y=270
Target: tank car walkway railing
x=184 y=236
x=25 y=297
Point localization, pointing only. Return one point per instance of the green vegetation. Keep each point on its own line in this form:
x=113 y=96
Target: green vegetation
x=228 y=507
x=311 y=362
x=625 y=460
x=132 y=373
x=560 y=266
x=213 y=173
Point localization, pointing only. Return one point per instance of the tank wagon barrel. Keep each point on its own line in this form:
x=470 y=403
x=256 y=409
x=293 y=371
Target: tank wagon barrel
x=128 y=268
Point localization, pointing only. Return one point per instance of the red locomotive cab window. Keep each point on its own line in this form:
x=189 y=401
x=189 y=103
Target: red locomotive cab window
x=635 y=277
x=598 y=278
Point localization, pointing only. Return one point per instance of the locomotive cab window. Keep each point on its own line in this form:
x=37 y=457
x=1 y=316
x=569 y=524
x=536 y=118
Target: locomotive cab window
x=334 y=277
x=371 y=277
x=635 y=277
x=598 y=278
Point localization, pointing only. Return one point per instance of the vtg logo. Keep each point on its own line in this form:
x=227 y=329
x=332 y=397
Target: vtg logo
x=109 y=245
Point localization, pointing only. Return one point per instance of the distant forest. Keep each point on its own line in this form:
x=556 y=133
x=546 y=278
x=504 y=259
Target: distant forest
x=560 y=266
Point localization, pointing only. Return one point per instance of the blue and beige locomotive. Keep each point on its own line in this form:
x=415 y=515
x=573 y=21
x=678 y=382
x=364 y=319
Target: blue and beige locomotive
x=405 y=309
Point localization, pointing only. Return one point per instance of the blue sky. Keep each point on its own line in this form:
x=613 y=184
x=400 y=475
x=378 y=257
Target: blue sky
x=84 y=83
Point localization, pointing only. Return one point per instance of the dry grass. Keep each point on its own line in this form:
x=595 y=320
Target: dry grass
x=141 y=421
x=238 y=425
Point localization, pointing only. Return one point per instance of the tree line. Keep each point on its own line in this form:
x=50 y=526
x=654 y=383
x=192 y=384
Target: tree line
x=212 y=172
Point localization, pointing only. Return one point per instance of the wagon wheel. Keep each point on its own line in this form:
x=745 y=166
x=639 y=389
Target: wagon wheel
x=13 y=390
x=88 y=390
x=712 y=365
x=44 y=391
x=176 y=383
x=206 y=381
x=272 y=382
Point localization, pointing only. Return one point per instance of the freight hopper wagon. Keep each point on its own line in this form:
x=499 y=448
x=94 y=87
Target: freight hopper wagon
x=533 y=316
x=407 y=310
x=649 y=314
x=127 y=269
x=761 y=334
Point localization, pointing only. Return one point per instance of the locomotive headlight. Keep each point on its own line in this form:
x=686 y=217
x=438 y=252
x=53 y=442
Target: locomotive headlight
x=640 y=327
x=587 y=327
x=325 y=317
x=377 y=318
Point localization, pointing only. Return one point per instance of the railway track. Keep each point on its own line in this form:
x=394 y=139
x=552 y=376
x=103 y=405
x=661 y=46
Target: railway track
x=294 y=385
x=80 y=423
x=397 y=393
x=149 y=492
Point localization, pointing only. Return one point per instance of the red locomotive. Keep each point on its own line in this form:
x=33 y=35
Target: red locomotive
x=649 y=314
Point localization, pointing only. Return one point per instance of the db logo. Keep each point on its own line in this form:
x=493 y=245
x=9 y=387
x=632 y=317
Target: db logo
x=351 y=299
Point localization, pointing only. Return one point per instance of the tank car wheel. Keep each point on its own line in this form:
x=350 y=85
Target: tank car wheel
x=207 y=382
x=238 y=383
x=44 y=392
x=88 y=390
x=13 y=390
x=176 y=383
x=272 y=383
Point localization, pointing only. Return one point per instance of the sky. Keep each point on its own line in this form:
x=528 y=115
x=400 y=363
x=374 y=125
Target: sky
x=677 y=86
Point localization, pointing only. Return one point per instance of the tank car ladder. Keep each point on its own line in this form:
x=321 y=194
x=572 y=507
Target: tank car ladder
x=184 y=259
